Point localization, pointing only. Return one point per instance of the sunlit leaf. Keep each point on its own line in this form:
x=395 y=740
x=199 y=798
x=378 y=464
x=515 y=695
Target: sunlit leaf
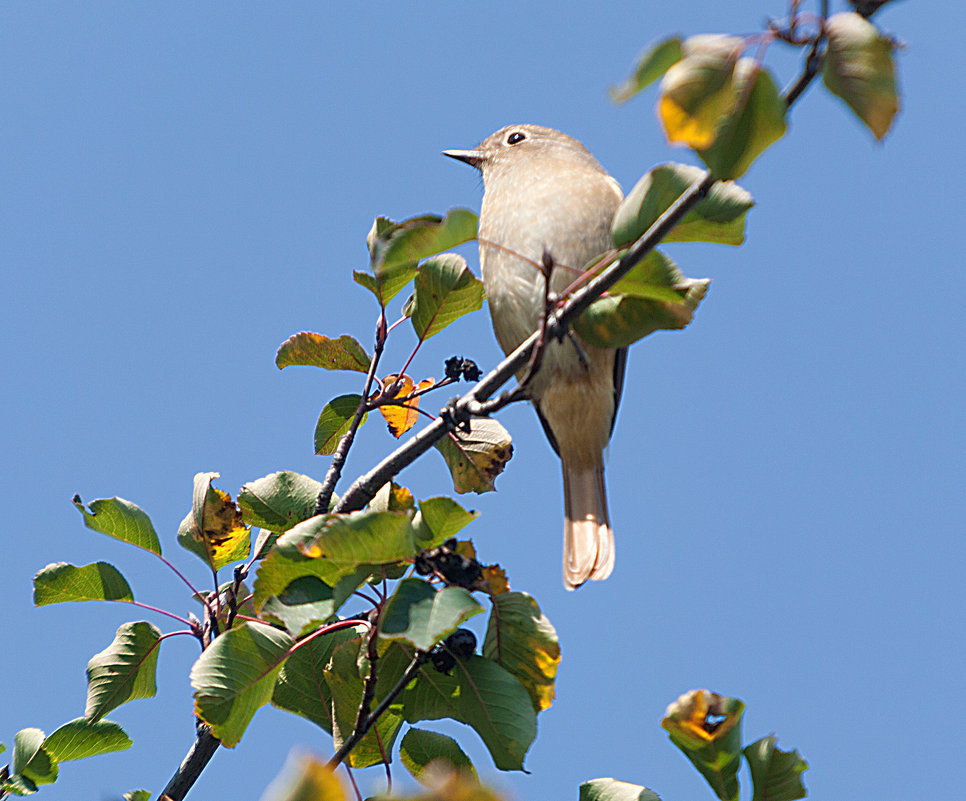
x=392 y=498
x=696 y=91
x=419 y=237
x=214 y=530
x=60 y=582
x=775 y=774
x=235 y=676
x=137 y=795
x=707 y=728
x=476 y=457
x=445 y=291
x=757 y=121
x=332 y=546
x=335 y=421
x=278 y=501
x=31 y=760
x=80 y=739
x=315 y=350
x=613 y=790
x=422 y=616
x=616 y=321
x=421 y=748
x=439 y=519
x=390 y=281
x=121 y=520
x=483 y=695
x=655 y=277
x=858 y=67
x=651 y=65
x=494 y=580
x=304 y=778
x=719 y=217
x=400 y=418
x=303 y=605
x=124 y=671
x=521 y=639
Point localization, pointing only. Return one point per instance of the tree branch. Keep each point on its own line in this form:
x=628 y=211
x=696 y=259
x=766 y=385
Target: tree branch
x=364 y=488
x=195 y=761
x=360 y=731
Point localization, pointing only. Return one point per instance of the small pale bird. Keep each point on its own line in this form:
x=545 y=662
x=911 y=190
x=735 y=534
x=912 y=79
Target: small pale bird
x=543 y=192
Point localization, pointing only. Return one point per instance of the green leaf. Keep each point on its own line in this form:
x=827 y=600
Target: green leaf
x=315 y=350
x=616 y=321
x=419 y=748
x=719 y=217
x=651 y=65
x=214 y=530
x=335 y=421
x=416 y=613
x=476 y=457
x=613 y=790
x=484 y=696
x=60 y=582
x=278 y=501
x=438 y=519
x=707 y=728
x=332 y=546
x=123 y=671
x=31 y=760
x=419 y=237
x=342 y=677
x=235 y=676
x=301 y=687
x=137 y=795
x=80 y=739
x=656 y=277
x=304 y=604
x=696 y=91
x=121 y=520
x=390 y=281
x=521 y=639
x=757 y=121
x=18 y=784
x=775 y=774
x=445 y=291
x=858 y=67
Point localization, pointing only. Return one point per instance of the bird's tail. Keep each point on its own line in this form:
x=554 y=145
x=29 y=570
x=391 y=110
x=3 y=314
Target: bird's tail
x=588 y=537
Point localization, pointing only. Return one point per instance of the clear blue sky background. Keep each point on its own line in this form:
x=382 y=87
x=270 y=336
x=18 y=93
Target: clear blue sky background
x=185 y=185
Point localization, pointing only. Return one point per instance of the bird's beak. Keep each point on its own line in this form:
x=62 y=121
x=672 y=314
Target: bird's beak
x=472 y=157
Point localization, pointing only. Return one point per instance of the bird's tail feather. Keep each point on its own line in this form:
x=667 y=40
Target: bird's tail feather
x=588 y=537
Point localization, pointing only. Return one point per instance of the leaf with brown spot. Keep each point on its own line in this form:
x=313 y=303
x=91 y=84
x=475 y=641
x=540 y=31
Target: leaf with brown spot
x=476 y=457
x=213 y=530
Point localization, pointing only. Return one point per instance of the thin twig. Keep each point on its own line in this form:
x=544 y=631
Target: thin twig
x=360 y=732
x=812 y=63
x=342 y=451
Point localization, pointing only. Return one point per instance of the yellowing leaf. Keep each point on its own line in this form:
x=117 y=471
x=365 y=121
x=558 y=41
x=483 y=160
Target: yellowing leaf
x=400 y=418
x=696 y=91
x=707 y=728
x=521 y=639
x=304 y=778
x=858 y=68
x=494 y=579
x=315 y=350
x=392 y=498
x=476 y=457
x=213 y=530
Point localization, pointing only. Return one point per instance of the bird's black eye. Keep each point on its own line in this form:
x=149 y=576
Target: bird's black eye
x=515 y=138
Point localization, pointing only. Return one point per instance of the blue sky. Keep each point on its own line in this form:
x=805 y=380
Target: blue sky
x=186 y=185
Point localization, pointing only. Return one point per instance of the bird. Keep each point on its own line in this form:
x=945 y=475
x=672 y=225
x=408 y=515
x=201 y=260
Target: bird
x=547 y=201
